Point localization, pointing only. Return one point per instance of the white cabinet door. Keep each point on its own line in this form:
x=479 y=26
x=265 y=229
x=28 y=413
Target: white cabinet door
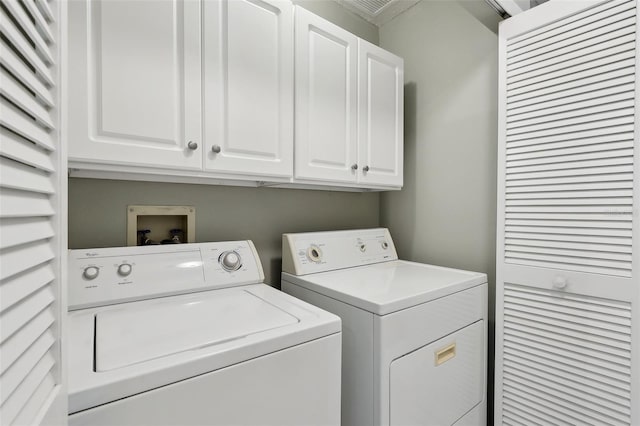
x=134 y=82
x=248 y=86
x=380 y=116
x=326 y=100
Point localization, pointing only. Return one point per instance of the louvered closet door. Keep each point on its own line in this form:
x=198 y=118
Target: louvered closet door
x=567 y=259
x=32 y=172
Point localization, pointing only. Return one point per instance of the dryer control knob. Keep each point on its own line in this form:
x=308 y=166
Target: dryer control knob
x=230 y=261
x=91 y=272
x=124 y=269
x=314 y=253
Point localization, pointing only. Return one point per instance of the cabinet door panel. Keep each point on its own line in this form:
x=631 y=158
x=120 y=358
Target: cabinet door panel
x=135 y=82
x=248 y=86
x=326 y=102
x=380 y=116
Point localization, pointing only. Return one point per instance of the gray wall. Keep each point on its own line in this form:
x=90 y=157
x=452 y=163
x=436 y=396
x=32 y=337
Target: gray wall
x=446 y=212
x=98 y=213
x=97 y=208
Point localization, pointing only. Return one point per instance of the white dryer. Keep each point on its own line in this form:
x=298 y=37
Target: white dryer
x=414 y=335
x=185 y=334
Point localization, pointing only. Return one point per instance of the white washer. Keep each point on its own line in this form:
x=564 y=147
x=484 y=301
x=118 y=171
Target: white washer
x=186 y=334
x=414 y=335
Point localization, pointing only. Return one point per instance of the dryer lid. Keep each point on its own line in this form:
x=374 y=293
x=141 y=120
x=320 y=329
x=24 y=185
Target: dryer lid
x=133 y=335
x=388 y=287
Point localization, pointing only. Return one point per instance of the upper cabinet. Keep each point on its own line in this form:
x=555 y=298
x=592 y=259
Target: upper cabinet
x=248 y=86
x=203 y=91
x=380 y=116
x=151 y=88
x=326 y=100
x=134 y=82
x=349 y=107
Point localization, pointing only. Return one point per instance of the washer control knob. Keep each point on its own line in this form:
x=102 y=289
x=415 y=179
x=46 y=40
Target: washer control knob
x=230 y=261
x=385 y=245
x=124 y=269
x=91 y=272
x=363 y=247
x=314 y=254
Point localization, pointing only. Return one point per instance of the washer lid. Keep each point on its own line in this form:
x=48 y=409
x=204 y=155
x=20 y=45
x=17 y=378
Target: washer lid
x=387 y=287
x=128 y=336
x=229 y=327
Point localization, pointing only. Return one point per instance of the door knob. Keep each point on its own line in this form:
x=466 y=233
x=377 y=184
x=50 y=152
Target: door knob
x=216 y=149
x=559 y=282
x=192 y=145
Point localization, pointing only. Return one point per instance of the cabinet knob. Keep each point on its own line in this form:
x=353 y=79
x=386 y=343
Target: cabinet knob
x=559 y=282
x=354 y=167
x=192 y=145
x=365 y=169
x=216 y=149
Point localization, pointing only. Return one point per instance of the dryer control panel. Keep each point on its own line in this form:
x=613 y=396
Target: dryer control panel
x=312 y=252
x=106 y=276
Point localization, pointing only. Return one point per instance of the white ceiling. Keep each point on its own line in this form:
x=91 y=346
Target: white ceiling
x=377 y=12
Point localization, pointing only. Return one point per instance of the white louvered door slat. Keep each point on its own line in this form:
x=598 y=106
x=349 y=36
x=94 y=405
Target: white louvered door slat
x=26 y=25
x=567 y=286
x=610 y=88
x=20 y=286
x=32 y=216
x=23 y=47
x=522 y=118
x=44 y=8
x=14 y=119
x=18 y=231
x=15 y=93
x=561 y=26
x=18 y=204
x=578 y=52
x=12 y=378
x=40 y=22
x=20 y=70
x=18 y=148
x=17 y=344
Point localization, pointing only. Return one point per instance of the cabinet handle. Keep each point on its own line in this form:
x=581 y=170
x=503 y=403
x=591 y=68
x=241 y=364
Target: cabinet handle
x=365 y=169
x=354 y=167
x=192 y=145
x=216 y=149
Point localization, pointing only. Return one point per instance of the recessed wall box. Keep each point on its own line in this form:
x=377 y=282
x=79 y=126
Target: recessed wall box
x=160 y=221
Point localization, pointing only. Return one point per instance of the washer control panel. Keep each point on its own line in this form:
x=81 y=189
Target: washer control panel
x=312 y=252
x=113 y=275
